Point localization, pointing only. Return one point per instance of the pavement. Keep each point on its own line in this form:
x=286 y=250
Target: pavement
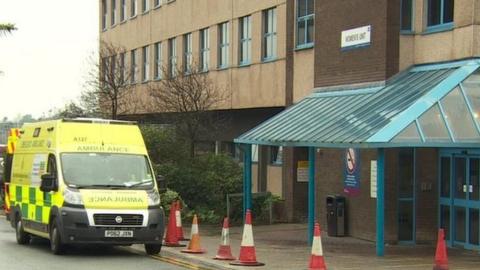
x=284 y=246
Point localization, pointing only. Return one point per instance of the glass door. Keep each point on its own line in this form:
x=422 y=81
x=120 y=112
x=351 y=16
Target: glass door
x=406 y=196
x=460 y=199
x=473 y=224
x=446 y=201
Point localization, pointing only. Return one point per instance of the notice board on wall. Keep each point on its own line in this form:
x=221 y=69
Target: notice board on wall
x=302 y=171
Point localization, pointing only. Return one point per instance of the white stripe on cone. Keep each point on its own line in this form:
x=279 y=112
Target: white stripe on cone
x=225 y=238
x=317 y=249
x=247 y=239
x=194 y=230
x=178 y=220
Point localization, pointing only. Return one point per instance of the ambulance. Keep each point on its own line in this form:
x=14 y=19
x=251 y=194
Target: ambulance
x=84 y=181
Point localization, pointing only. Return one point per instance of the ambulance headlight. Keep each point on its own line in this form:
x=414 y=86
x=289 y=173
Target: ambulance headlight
x=72 y=197
x=153 y=198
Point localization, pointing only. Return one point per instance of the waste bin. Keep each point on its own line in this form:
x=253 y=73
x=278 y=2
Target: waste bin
x=336 y=215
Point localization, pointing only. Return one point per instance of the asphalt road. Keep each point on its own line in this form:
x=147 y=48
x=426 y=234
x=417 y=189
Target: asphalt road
x=37 y=256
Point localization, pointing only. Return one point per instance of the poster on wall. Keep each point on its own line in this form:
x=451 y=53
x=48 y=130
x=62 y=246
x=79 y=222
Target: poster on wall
x=302 y=171
x=351 y=183
x=373 y=179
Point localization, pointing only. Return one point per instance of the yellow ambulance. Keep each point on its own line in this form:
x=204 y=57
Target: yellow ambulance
x=84 y=181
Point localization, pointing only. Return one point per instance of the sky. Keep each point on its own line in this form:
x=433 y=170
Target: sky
x=45 y=62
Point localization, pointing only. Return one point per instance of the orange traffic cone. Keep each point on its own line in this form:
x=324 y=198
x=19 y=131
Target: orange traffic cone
x=178 y=219
x=441 y=260
x=247 y=250
x=224 y=250
x=171 y=239
x=194 y=244
x=316 y=260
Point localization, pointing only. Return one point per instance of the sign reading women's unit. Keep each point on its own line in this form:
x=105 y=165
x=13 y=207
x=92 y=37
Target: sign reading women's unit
x=351 y=183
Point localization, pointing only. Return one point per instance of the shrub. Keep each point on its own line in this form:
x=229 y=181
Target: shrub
x=163 y=145
x=204 y=183
x=168 y=197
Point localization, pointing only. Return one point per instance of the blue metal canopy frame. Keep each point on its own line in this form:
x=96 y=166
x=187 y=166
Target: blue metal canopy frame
x=372 y=117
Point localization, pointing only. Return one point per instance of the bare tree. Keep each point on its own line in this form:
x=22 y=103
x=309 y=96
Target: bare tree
x=110 y=88
x=190 y=99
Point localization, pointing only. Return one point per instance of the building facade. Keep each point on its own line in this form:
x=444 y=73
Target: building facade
x=248 y=48
x=274 y=54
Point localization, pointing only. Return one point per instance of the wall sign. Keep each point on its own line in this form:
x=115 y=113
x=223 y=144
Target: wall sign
x=351 y=183
x=373 y=179
x=302 y=171
x=357 y=37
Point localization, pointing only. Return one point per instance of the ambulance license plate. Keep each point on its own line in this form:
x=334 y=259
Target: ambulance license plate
x=115 y=233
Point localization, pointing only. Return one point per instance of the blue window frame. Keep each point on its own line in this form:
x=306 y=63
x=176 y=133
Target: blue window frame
x=269 y=34
x=440 y=14
x=104 y=14
x=158 y=61
x=305 y=23
x=172 y=57
x=245 y=40
x=187 y=53
x=113 y=11
x=223 y=45
x=204 y=50
x=406 y=17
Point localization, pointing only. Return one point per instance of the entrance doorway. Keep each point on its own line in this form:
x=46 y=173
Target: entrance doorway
x=460 y=198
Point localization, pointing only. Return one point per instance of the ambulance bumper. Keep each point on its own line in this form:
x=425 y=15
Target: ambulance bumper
x=75 y=229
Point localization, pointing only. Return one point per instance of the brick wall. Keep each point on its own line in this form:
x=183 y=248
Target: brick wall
x=376 y=62
x=427 y=194
x=361 y=209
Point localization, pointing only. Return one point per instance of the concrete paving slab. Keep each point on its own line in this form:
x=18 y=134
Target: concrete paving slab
x=284 y=247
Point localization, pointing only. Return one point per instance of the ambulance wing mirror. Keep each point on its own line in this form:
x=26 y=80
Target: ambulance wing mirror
x=48 y=183
x=161 y=183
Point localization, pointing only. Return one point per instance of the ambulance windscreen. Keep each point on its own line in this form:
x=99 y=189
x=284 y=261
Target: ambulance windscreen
x=99 y=170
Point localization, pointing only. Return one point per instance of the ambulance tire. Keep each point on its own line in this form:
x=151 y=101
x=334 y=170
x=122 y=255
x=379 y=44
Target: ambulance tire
x=23 y=237
x=56 y=245
x=153 y=249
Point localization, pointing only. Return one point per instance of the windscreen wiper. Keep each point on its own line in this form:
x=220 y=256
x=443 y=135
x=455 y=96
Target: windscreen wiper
x=139 y=183
x=99 y=186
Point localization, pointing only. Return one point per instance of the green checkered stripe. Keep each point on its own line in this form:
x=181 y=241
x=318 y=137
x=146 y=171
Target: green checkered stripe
x=34 y=204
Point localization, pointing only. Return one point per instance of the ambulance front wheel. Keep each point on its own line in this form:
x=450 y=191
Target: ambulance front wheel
x=56 y=245
x=23 y=237
x=153 y=249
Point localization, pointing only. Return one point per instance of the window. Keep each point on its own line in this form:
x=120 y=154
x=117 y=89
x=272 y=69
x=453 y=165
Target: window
x=305 y=22
x=104 y=70
x=269 y=34
x=254 y=153
x=145 y=63
x=187 y=53
x=245 y=40
x=113 y=16
x=223 y=45
x=133 y=66
x=145 y=5
x=133 y=8
x=406 y=18
x=112 y=68
x=157 y=3
x=276 y=155
x=204 y=49
x=172 y=57
x=439 y=12
x=123 y=10
x=122 y=67
x=158 y=61
x=104 y=14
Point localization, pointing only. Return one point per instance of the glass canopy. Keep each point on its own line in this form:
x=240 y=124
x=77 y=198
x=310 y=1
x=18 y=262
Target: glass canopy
x=427 y=105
